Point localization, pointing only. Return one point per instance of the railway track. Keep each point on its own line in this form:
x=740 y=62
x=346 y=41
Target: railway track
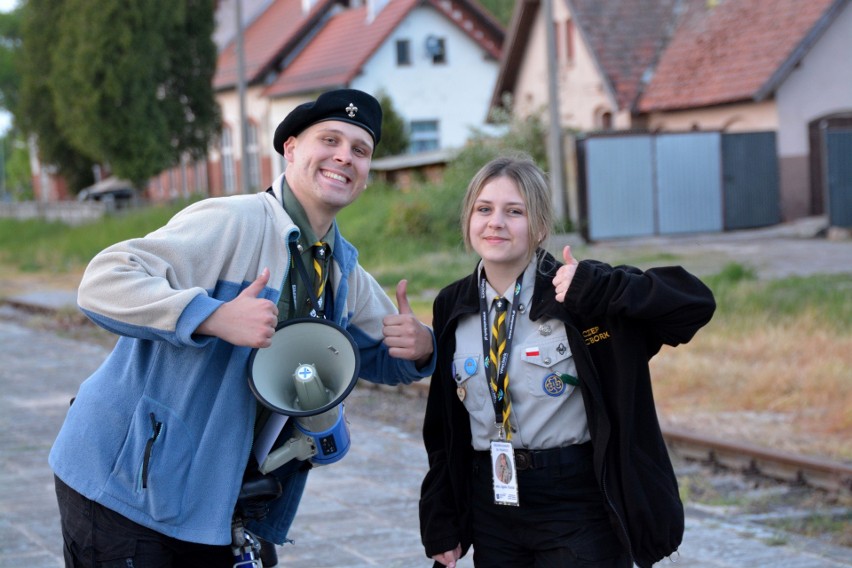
x=813 y=472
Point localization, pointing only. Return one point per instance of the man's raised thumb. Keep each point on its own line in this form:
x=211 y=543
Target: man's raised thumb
x=402 y=298
x=255 y=288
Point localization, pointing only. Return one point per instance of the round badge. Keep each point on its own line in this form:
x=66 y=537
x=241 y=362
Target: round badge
x=470 y=366
x=553 y=385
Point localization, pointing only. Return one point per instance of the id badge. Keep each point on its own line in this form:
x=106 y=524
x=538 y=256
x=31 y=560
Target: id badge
x=503 y=474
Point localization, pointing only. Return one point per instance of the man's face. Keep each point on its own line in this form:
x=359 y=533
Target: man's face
x=328 y=165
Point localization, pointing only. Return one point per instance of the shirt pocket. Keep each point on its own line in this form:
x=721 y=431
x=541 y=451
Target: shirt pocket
x=470 y=381
x=547 y=368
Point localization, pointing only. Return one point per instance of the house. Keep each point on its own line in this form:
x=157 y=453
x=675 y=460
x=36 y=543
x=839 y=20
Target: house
x=437 y=60
x=698 y=66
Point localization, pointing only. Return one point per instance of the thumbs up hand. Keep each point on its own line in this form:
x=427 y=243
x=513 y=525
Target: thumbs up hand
x=247 y=321
x=565 y=274
x=404 y=335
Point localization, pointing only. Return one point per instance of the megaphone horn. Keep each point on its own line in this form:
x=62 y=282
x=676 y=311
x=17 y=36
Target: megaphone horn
x=307 y=371
x=304 y=341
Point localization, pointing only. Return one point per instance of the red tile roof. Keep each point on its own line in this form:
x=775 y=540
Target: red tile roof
x=738 y=50
x=278 y=29
x=338 y=52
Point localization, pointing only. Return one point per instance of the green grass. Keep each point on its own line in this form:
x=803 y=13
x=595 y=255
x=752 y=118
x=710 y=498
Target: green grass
x=414 y=235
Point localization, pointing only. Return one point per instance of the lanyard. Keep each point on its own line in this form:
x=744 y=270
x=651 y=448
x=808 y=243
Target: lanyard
x=296 y=260
x=503 y=363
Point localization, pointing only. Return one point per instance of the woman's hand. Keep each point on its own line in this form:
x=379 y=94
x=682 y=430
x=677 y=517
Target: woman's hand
x=449 y=557
x=565 y=274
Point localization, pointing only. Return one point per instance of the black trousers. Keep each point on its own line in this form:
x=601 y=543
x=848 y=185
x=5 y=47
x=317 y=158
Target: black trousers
x=97 y=537
x=561 y=521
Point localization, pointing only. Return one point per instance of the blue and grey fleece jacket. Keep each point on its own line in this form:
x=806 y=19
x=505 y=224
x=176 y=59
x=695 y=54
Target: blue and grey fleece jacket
x=162 y=431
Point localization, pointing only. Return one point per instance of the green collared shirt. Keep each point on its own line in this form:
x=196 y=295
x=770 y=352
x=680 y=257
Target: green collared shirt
x=307 y=238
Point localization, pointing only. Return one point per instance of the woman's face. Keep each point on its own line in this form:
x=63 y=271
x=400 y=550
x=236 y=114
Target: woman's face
x=499 y=225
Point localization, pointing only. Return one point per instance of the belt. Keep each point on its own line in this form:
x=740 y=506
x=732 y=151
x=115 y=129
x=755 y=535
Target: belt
x=538 y=459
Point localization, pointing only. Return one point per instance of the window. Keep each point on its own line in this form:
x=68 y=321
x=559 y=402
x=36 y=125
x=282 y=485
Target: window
x=569 y=40
x=229 y=178
x=424 y=136
x=436 y=49
x=403 y=52
x=252 y=157
x=564 y=40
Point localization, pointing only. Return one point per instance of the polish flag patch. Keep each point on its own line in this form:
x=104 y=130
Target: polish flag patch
x=532 y=352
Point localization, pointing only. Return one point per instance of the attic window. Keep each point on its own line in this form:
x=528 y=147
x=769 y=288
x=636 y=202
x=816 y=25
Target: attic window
x=403 y=52
x=436 y=49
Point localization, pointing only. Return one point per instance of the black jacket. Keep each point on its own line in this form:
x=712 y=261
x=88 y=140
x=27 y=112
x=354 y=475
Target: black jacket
x=616 y=318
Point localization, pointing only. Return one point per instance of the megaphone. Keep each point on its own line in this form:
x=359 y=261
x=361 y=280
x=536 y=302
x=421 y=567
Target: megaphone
x=307 y=371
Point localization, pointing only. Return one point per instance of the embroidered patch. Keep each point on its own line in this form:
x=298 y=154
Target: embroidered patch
x=532 y=352
x=553 y=385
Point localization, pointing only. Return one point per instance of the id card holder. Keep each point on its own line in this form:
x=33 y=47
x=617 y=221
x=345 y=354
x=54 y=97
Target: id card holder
x=503 y=474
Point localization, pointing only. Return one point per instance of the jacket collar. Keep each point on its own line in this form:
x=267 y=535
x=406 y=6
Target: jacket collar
x=544 y=302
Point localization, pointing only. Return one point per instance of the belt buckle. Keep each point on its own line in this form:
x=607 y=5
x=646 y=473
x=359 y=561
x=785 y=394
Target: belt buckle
x=523 y=460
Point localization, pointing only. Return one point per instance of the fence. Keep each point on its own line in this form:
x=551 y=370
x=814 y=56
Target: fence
x=69 y=212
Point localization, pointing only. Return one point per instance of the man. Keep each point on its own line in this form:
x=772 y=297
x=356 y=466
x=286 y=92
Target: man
x=153 y=452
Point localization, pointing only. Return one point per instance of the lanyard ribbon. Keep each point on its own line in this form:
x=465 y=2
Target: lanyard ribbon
x=498 y=375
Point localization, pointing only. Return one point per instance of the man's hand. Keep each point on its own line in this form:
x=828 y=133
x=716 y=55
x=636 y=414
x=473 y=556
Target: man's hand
x=565 y=274
x=247 y=321
x=404 y=335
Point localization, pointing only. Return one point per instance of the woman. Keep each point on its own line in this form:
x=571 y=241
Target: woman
x=565 y=393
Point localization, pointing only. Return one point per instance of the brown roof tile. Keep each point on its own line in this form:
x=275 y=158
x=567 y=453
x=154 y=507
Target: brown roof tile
x=731 y=52
x=280 y=25
x=626 y=38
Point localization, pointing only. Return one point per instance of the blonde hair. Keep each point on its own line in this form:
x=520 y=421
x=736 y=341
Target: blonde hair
x=533 y=187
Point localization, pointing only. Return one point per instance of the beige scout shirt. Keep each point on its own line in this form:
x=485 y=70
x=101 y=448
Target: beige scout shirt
x=546 y=412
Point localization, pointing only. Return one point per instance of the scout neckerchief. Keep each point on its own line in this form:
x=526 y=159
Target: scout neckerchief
x=498 y=375
x=320 y=259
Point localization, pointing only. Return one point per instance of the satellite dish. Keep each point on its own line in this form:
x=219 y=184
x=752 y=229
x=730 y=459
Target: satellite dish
x=434 y=46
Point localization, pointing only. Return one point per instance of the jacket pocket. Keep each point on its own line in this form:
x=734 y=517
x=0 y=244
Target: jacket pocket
x=153 y=465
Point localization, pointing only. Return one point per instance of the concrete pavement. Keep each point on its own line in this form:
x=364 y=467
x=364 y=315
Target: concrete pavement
x=360 y=512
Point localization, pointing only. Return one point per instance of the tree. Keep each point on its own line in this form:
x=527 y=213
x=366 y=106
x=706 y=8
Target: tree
x=128 y=82
x=132 y=81
x=394 y=133
x=10 y=41
x=35 y=113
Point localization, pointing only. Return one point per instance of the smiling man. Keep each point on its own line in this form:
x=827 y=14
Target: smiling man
x=155 y=449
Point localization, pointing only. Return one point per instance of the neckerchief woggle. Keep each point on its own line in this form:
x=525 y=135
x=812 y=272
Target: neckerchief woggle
x=498 y=396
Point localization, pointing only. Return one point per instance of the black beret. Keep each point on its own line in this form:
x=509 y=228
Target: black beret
x=346 y=105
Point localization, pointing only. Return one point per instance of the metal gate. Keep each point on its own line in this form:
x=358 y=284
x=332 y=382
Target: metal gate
x=750 y=178
x=839 y=174
x=658 y=184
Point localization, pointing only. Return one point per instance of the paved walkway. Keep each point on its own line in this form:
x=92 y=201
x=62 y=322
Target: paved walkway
x=359 y=512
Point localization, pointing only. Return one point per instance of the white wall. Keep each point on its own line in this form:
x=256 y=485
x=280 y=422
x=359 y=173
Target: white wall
x=457 y=93
x=821 y=84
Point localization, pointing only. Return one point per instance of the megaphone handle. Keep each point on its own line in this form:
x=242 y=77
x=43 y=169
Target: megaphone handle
x=298 y=447
x=268 y=434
